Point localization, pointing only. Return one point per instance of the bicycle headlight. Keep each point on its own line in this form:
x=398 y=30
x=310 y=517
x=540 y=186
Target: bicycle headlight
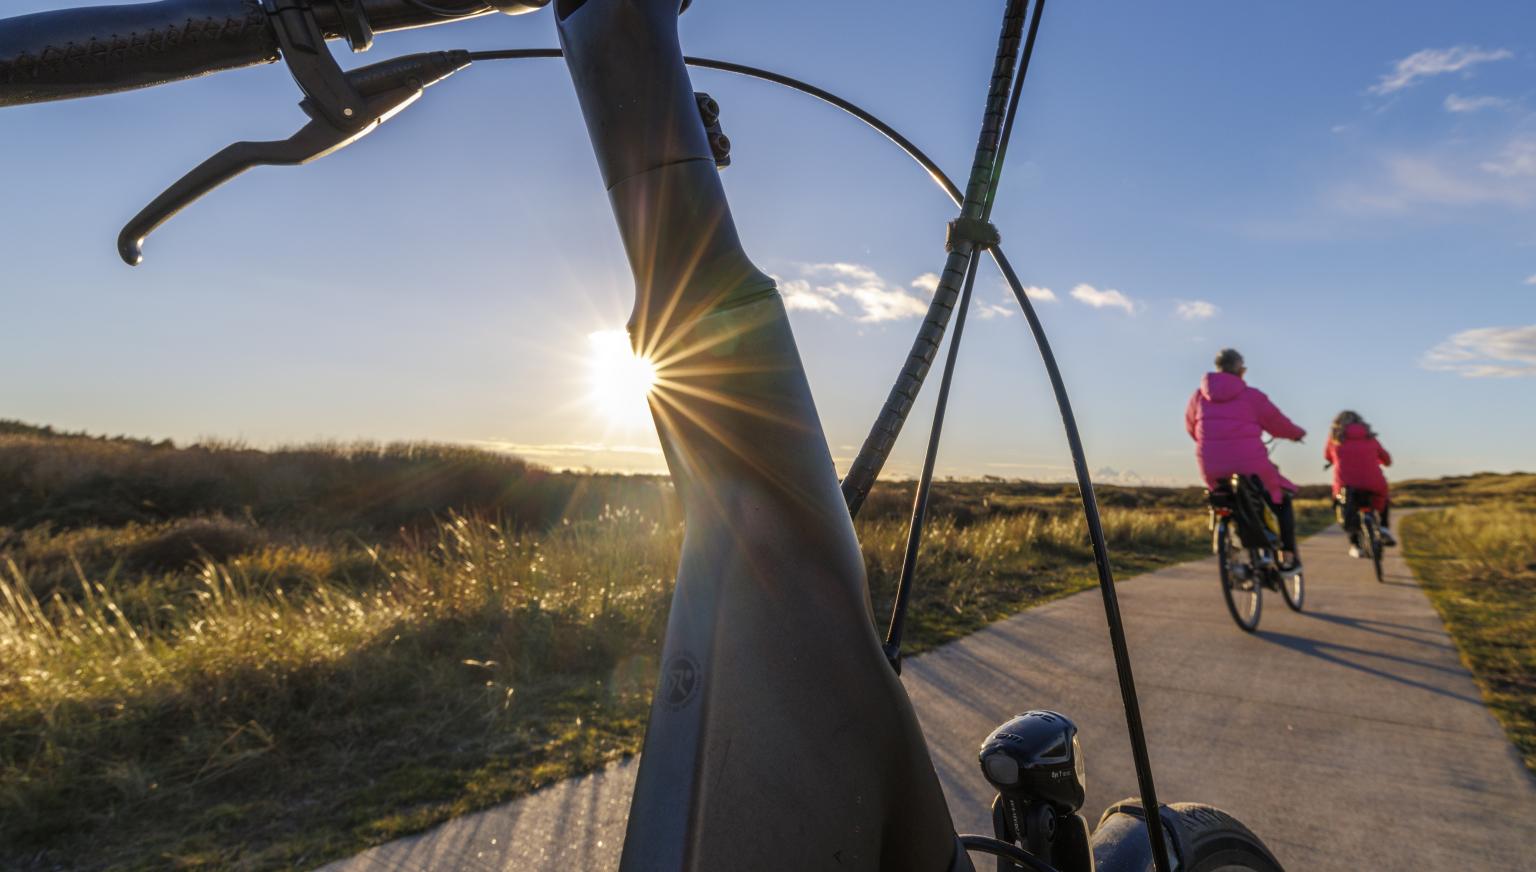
x=1037 y=756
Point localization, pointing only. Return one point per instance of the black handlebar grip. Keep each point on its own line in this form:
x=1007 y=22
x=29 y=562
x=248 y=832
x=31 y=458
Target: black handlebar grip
x=104 y=49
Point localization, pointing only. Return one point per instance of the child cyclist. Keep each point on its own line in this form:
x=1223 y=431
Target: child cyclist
x=1357 y=459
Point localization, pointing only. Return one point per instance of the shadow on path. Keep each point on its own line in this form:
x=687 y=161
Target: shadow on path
x=1331 y=652
x=1369 y=625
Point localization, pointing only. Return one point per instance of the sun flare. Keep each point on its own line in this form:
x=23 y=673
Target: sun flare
x=619 y=379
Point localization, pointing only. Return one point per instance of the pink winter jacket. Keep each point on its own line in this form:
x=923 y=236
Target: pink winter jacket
x=1226 y=418
x=1357 y=462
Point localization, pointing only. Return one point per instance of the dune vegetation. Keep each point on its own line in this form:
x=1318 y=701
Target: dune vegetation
x=218 y=657
x=1511 y=488
x=1477 y=563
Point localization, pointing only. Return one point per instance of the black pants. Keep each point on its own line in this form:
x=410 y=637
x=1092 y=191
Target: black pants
x=1286 y=514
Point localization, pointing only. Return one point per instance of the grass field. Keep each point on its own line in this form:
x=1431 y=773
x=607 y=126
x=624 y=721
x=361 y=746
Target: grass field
x=1478 y=565
x=214 y=657
x=1515 y=489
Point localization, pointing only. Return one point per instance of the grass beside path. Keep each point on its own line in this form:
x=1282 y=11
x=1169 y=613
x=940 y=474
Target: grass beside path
x=213 y=657
x=242 y=713
x=1478 y=566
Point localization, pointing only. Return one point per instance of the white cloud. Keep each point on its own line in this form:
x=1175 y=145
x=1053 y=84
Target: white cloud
x=1435 y=62
x=798 y=296
x=1486 y=352
x=1531 y=280
x=1196 y=310
x=1044 y=295
x=830 y=287
x=987 y=311
x=1517 y=160
x=1412 y=180
x=1458 y=103
x=855 y=271
x=928 y=282
x=1108 y=298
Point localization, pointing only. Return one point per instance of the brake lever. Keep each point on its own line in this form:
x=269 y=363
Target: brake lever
x=386 y=89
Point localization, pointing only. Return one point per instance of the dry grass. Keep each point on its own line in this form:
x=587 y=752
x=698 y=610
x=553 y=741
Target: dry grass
x=1517 y=488
x=212 y=657
x=71 y=481
x=1478 y=565
x=249 y=726
x=242 y=720
x=970 y=575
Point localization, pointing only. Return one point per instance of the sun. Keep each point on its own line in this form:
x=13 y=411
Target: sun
x=618 y=380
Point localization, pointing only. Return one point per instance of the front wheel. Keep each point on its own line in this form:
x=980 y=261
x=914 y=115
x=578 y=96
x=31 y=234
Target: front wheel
x=1218 y=842
x=1207 y=839
x=1294 y=589
x=1240 y=585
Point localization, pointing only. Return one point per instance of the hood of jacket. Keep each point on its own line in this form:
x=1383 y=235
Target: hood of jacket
x=1222 y=387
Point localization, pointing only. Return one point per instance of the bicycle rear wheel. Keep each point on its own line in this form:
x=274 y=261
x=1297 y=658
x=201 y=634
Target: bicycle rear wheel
x=1209 y=840
x=1373 y=535
x=1240 y=585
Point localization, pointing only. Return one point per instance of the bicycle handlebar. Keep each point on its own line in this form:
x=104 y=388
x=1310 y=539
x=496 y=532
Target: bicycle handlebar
x=104 y=49
x=85 y=52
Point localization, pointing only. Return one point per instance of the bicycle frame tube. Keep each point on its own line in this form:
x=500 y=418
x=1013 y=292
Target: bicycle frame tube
x=779 y=737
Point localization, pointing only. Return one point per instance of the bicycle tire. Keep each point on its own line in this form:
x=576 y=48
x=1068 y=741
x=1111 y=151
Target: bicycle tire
x=1208 y=840
x=1373 y=531
x=1294 y=598
x=1219 y=842
x=1230 y=591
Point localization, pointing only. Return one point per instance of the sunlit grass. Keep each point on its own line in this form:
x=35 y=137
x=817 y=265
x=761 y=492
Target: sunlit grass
x=477 y=638
x=1478 y=565
x=213 y=657
x=390 y=688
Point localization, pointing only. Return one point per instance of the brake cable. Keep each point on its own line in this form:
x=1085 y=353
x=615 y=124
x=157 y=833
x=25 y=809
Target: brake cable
x=915 y=526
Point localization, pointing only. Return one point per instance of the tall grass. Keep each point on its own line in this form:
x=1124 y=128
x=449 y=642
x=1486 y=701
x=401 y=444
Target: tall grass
x=245 y=719
x=84 y=649
x=1507 y=488
x=1478 y=565
x=461 y=678
x=215 y=657
x=970 y=574
x=69 y=481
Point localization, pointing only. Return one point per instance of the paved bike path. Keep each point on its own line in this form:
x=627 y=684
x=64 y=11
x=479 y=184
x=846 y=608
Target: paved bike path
x=1348 y=737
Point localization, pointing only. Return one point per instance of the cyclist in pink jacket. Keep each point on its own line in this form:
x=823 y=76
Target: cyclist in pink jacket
x=1227 y=420
x=1357 y=459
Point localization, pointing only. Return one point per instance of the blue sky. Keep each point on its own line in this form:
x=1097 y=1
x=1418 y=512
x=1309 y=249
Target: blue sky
x=1345 y=192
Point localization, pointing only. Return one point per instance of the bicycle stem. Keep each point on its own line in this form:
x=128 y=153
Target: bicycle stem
x=776 y=708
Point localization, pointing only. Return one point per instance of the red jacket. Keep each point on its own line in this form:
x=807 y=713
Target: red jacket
x=1357 y=461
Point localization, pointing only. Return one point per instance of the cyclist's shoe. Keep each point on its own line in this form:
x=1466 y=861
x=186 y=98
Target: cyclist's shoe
x=1354 y=551
x=1291 y=566
x=1387 y=538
